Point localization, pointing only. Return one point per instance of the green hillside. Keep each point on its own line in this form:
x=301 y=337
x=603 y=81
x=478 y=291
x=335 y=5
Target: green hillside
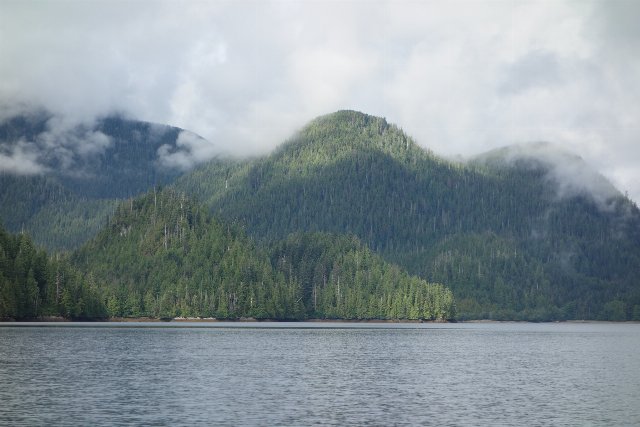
x=164 y=256
x=498 y=233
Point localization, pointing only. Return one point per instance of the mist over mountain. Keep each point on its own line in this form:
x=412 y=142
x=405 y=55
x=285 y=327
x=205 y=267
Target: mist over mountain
x=111 y=157
x=59 y=179
x=567 y=172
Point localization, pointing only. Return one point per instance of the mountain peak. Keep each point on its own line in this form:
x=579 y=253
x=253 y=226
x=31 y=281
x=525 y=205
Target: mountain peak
x=341 y=134
x=348 y=117
x=348 y=123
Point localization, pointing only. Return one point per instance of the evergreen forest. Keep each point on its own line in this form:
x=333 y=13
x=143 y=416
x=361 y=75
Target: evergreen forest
x=36 y=285
x=164 y=256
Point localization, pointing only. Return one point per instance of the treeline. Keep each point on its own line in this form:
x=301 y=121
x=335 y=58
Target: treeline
x=35 y=285
x=162 y=255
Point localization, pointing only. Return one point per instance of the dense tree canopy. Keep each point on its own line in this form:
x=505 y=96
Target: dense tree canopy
x=340 y=278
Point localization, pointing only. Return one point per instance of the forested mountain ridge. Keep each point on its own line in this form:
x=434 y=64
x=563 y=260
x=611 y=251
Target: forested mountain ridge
x=509 y=241
x=163 y=255
x=59 y=181
x=523 y=232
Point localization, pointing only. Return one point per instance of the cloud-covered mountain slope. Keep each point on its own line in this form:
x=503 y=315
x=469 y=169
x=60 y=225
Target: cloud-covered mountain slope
x=59 y=180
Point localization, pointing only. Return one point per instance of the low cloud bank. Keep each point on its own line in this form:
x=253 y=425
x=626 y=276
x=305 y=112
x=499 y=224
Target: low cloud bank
x=569 y=174
x=189 y=150
x=62 y=145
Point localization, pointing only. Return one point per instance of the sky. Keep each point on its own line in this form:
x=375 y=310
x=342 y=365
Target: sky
x=460 y=77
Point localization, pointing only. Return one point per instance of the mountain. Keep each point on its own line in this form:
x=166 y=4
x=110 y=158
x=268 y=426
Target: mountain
x=59 y=181
x=513 y=233
x=523 y=232
x=163 y=255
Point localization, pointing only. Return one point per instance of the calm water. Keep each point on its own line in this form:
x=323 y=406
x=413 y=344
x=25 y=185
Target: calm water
x=318 y=374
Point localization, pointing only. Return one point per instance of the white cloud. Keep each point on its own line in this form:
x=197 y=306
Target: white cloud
x=61 y=145
x=21 y=159
x=461 y=77
x=569 y=173
x=190 y=150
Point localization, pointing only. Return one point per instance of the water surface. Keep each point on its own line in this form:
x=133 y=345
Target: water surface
x=319 y=374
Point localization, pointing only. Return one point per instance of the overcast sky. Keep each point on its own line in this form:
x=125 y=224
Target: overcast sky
x=461 y=77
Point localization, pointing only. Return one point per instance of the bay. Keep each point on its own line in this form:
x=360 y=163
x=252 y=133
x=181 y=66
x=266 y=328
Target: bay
x=568 y=374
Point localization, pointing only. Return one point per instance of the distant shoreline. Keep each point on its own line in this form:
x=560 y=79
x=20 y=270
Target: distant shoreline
x=56 y=319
